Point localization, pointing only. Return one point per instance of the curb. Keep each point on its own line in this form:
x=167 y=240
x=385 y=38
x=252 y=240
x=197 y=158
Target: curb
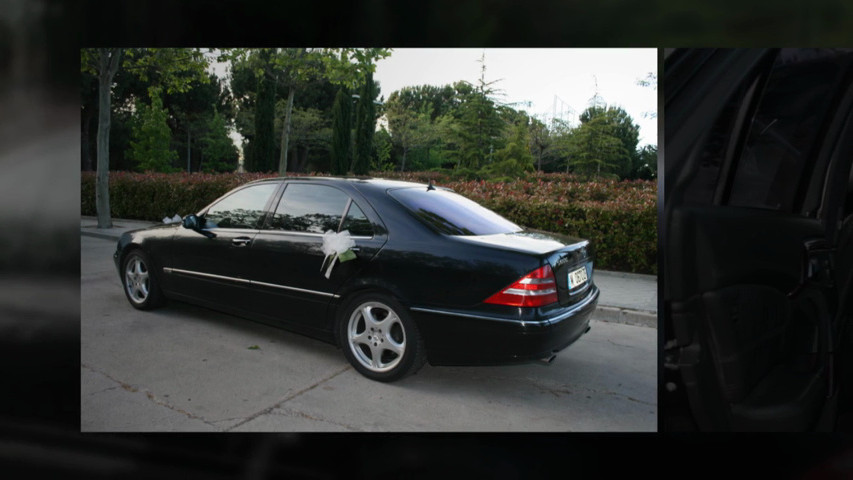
x=638 y=318
x=105 y=236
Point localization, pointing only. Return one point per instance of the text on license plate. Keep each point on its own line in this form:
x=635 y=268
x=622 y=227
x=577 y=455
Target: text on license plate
x=577 y=277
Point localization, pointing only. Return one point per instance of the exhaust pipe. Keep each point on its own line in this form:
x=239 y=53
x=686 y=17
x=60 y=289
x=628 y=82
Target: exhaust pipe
x=547 y=360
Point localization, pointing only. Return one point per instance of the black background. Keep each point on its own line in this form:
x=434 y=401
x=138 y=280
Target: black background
x=39 y=353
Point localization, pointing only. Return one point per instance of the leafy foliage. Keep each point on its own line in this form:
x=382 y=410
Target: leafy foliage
x=218 y=150
x=341 y=118
x=365 y=126
x=263 y=142
x=151 y=136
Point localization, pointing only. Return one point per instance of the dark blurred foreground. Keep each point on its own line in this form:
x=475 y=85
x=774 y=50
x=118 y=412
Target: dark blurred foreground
x=39 y=244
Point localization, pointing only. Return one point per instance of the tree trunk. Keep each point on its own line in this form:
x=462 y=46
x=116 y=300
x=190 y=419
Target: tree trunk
x=86 y=144
x=403 y=166
x=108 y=65
x=304 y=162
x=285 y=133
x=188 y=150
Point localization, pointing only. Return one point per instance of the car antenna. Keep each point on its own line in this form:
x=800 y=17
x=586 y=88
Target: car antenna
x=431 y=186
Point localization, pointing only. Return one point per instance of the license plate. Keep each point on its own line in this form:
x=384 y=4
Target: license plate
x=577 y=278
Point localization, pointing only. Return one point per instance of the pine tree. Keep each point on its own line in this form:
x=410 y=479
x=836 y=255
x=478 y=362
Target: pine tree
x=149 y=147
x=481 y=125
x=341 y=133
x=218 y=150
x=365 y=126
x=263 y=144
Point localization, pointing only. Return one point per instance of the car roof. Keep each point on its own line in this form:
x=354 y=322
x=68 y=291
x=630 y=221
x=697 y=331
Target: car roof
x=359 y=182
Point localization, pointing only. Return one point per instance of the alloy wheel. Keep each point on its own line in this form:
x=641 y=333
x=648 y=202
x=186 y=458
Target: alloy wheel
x=376 y=336
x=137 y=280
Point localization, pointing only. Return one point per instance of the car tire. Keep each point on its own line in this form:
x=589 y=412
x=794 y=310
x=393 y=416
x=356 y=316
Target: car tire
x=379 y=338
x=140 y=284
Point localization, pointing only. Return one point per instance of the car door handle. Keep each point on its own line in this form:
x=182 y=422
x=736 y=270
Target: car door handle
x=241 y=241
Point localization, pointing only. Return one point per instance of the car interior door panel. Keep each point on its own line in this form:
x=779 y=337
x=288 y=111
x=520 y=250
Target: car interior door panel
x=757 y=284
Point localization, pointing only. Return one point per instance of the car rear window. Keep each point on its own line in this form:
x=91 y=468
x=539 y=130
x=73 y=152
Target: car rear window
x=452 y=214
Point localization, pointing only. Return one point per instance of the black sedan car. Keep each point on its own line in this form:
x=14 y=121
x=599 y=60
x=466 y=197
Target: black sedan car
x=395 y=273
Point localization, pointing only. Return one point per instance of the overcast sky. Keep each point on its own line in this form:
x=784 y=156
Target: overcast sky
x=536 y=76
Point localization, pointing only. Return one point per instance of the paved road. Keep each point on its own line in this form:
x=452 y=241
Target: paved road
x=185 y=368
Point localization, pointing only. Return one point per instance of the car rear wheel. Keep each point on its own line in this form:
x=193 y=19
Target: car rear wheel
x=380 y=339
x=140 y=284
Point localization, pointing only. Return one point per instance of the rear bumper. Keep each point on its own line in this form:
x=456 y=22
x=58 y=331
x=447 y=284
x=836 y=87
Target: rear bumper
x=455 y=337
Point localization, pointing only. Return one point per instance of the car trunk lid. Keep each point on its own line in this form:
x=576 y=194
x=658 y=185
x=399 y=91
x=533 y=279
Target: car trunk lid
x=570 y=258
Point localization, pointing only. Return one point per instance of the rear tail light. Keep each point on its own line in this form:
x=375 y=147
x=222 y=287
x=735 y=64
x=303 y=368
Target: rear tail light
x=535 y=289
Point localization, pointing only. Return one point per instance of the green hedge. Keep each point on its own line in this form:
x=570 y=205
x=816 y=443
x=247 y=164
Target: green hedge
x=619 y=218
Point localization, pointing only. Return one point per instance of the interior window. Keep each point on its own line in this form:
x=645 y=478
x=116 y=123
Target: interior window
x=357 y=222
x=309 y=208
x=783 y=133
x=242 y=209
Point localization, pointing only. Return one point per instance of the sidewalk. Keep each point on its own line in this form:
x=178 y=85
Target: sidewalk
x=627 y=298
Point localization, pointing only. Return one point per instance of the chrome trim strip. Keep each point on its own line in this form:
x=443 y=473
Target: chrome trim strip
x=468 y=315
x=250 y=282
x=481 y=317
x=206 y=275
x=574 y=308
x=247 y=231
x=578 y=306
x=273 y=285
x=306 y=234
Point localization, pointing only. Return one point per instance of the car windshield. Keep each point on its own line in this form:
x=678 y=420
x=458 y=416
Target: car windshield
x=452 y=214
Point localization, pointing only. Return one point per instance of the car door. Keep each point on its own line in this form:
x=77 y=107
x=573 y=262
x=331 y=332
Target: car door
x=287 y=262
x=211 y=268
x=749 y=232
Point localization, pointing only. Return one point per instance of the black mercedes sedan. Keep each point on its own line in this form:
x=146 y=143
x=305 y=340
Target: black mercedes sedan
x=395 y=273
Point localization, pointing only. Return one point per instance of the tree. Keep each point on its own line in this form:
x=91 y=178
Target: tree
x=594 y=148
x=292 y=69
x=157 y=66
x=341 y=133
x=217 y=147
x=621 y=126
x=649 y=81
x=540 y=140
x=409 y=129
x=263 y=143
x=108 y=61
x=382 y=151
x=514 y=160
x=311 y=129
x=647 y=166
x=192 y=111
x=365 y=126
x=152 y=136
x=481 y=126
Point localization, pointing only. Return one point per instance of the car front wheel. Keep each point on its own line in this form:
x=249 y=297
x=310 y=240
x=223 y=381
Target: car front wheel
x=140 y=284
x=380 y=339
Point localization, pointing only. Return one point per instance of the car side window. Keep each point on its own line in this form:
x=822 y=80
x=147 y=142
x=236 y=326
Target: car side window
x=357 y=222
x=242 y=209
x=782 y=138
x=309 y=208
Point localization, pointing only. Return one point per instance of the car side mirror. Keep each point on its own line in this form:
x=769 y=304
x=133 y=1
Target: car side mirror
x=195 y=223
x=191 y=221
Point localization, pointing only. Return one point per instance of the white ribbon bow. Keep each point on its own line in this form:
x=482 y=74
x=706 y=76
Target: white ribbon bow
x=337 y=247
